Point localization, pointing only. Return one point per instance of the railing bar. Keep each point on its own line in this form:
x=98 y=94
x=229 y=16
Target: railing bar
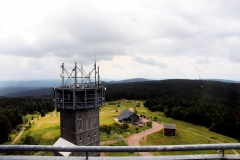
x=121 y=148
x=169 y=157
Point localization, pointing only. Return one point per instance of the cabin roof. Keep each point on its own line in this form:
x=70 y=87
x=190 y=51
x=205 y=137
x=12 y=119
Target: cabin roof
x=125 y=114
x=169 y=126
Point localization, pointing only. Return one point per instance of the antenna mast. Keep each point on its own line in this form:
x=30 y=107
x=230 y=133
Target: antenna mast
x=75 y=69
x=62 y=66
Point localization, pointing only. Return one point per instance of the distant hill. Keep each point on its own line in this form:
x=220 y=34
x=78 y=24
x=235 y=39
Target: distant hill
x=129 y=80
x=37 y=88
x=32 y=88
x=31 y=83
x=41 y=92
x=10 y=90
x=223 y=80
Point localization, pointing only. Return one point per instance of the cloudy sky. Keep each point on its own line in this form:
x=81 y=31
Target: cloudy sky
x=153 y=39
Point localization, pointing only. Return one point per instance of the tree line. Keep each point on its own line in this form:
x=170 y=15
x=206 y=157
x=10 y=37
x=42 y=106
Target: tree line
x=12 y=111
x=215 y=105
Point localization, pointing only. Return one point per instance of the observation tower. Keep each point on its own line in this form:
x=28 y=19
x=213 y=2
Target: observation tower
x=78 y=99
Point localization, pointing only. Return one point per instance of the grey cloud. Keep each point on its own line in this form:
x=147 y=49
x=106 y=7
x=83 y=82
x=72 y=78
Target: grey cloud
x=235 y=58
x=15 y=45
x=192 y=32
x=117 y=66
x=149 y=61
x=168 y=28
x=198 y=69
x=81 y=32
x=203 y=61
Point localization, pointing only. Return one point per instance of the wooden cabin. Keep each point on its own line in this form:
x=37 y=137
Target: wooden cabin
x=128 y=116
x=169 y=129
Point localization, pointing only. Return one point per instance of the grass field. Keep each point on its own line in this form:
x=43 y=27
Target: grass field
x=187 y=133
x=45 y=129
x=183 y=137
x=108 y=113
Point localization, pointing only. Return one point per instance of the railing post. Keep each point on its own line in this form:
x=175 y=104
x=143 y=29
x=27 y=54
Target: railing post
x=86 y=155
x=223 y=153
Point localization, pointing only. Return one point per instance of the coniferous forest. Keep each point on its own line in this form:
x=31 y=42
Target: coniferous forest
x=12 y=111
x=215 y=105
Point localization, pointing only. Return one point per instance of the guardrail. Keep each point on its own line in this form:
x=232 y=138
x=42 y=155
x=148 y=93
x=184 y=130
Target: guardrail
x=86 y=149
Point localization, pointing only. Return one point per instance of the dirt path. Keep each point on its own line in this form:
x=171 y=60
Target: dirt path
x=134 y=139
x=210 y=139
x=19 y=135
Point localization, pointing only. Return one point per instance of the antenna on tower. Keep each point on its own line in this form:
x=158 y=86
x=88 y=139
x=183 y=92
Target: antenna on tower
x=95 y=57
x=81 y=74
x=95 y=66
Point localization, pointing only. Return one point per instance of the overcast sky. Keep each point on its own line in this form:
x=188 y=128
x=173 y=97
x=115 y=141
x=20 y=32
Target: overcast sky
x=153 y=39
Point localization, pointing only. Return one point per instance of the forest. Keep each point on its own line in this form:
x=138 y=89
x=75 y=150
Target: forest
x=215 y=105
x=12 y=111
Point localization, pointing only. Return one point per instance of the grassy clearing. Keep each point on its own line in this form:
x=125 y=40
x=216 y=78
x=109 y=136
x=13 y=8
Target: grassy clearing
x=44 y=129
x=200 y=130
x=107 y=118
x=183 y=137
x=186 y=134
x=105 y=137
x=108 y=113
x=123 y=104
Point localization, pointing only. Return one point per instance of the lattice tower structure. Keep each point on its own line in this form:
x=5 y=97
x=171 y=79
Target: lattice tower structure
x=78 y=99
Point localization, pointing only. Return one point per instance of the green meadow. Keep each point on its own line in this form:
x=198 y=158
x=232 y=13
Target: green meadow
x=47 y=129
x=187 y=133
x=43 y=129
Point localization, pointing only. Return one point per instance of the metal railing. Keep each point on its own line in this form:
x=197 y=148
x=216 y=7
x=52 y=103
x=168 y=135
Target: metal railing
x=87 y=149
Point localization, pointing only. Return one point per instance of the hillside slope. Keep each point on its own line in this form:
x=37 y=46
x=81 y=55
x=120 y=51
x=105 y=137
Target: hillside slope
x=212 y=104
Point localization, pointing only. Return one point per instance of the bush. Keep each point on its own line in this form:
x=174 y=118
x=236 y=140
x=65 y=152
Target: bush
x=42 y=113
x=29 y=140
x=155 y=118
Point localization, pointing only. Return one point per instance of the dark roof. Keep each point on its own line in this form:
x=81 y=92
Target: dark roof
x=169 y=126
x=125 y=114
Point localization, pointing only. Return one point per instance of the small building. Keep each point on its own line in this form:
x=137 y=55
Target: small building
x=169 y=129
x=128 y=116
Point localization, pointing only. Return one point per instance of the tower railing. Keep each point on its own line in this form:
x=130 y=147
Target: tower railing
x=163 y=148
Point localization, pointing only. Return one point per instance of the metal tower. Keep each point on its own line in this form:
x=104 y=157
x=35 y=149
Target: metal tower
x=79 y=99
